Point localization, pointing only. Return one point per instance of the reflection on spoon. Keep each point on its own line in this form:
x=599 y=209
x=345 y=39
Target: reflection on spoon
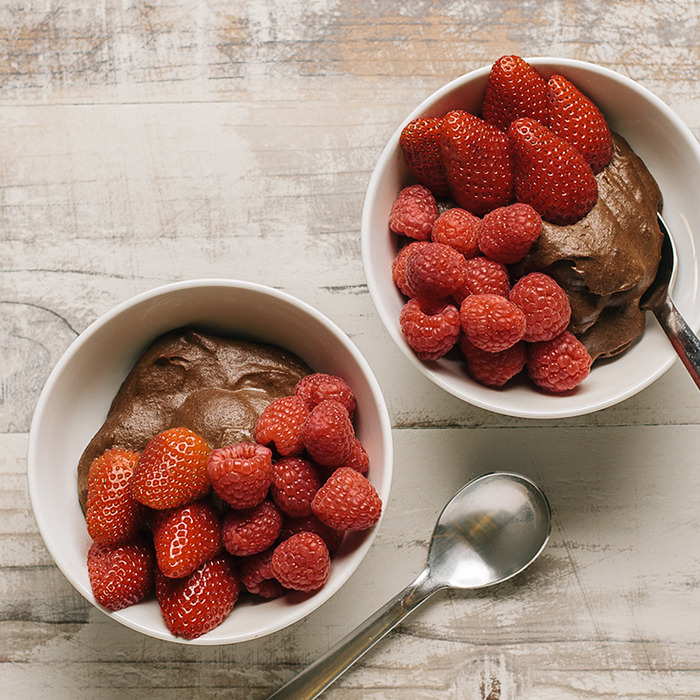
x=492 y=529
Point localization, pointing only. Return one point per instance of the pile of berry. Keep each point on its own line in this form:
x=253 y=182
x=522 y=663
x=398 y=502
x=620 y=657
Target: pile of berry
x=484 y=185
x=201 y=526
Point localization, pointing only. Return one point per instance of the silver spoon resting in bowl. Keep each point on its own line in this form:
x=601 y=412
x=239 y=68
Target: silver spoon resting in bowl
x=657 y=299
x=491 y=530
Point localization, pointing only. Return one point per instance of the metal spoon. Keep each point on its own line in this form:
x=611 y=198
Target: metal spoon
x=657 y=299
x=491 y=530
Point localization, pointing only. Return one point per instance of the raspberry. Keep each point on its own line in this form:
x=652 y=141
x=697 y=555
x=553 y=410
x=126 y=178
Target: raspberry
x=358 y=459
x=398 y=266
x=185 y=537
x=559 y=364
x=414 y=212
x=280 y=424
x=347 y=501
x=483 y=276
x=302 y=562
x=257 y=576
x=435 y=271
x=317 y=387
x=328 y=434
x=121 y=575
x=492 y=322
x=241 y=474
x=545 y=304
x=310 y=523
x=494 y=368
x=458 y=228
x=431 y=328
x=251 y=531
x=294 y=484
x=507 y=233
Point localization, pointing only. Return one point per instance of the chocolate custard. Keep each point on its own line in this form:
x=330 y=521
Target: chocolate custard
x=606 y=260
x=215 y=386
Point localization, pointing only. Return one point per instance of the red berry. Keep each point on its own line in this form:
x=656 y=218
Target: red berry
x=559 y=364
x=459 y=229
x=196 y=604
x=494 y=368
x=545 y=304
x=113 y=515
x=186 y=537
x=484 y=276
x=310 y=523
x=257 y=576
x=420 y=144
x=435 y=271
x=328 y=434
x=302 y=562
x=478 y=162
x=294 y=484
x=251 y=531
x=241 y=474
x=317 y=387
x=347 y=501
x=492 y=322
x=358 y=459
x=121 y=575
x=398 y=266
x=514 y=89
x=172 y=470
x=577 y=120
x=280 y=424
x=414 y=212
x=550 y=174
x=507 y=233
x=431 y=328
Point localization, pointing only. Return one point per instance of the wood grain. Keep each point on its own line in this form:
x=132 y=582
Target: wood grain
x=149 y=142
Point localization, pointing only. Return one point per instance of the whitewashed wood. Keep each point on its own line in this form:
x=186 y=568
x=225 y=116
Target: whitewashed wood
x=148 y=142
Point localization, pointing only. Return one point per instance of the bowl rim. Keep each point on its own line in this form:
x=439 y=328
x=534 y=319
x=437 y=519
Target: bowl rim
x=390 y=323
x=306 y=606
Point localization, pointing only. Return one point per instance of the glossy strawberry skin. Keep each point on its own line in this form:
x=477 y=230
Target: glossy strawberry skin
x=578 y=120
x=420 y=143
x=196 y=604
x=514 y=89
x=172 y=470
x=550 y=174
x=478 y=162
x=113 y=515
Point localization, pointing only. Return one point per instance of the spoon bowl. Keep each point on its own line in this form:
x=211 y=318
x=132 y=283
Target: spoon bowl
x=491 y=530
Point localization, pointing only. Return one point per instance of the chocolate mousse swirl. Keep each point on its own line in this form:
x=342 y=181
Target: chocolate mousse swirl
x=215 y=386
x=606 y=260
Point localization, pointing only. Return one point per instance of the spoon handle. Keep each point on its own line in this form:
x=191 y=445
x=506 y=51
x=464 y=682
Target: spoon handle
x=684 y=341
x=316 y=677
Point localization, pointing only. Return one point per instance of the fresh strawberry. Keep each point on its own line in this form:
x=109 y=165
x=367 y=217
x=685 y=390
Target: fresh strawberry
x=196 y=604
x=257 y=576
x=121 y=575
x=328 y=434
x=280 y=424
x=251 y=531
x=302 y=562
x=317 y=387
x=478 y=163
x=550 y=174
x=420 y=144
x=113 y=515
x=294 y=484
x=514 y=89
x=347 y=501
x=577 y=120
x=172 y=470
x=241 y=474
x=186 y=537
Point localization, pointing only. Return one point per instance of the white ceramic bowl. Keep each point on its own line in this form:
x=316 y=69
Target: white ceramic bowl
x=672 y=154
x=79 y=391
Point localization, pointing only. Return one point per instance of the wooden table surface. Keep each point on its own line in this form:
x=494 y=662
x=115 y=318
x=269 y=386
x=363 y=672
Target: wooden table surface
x=147 y=142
